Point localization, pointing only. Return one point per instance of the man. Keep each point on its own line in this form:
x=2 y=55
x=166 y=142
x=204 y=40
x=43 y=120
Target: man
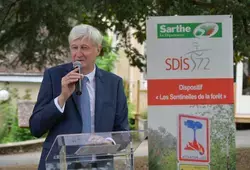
x=60 y=111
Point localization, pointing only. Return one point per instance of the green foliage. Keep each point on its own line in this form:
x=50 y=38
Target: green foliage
x=131 y=106
x=10 y=131
x=6 y=113
x=154 y=160
x=5 y=119
x=107 y=60
x=36 y=31
x=144 y=115
x=223 y=148
x=131 y=117
x=162 y=149
x=170 y=160
x=16 y=133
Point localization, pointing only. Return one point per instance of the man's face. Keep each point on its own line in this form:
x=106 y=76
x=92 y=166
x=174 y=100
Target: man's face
x=85 y=51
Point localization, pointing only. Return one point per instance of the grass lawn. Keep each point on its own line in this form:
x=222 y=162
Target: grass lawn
x=243 y=162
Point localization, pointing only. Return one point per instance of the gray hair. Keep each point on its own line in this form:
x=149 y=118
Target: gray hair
x=84 y=30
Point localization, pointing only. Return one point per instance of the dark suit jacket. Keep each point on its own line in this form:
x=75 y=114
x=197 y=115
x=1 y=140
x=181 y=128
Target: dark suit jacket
x=111 y=112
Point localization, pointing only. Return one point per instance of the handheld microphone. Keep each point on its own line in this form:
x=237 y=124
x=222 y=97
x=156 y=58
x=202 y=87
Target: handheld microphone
x=78 y=89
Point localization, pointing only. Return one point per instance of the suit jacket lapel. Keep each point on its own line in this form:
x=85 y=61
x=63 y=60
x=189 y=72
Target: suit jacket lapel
x=76 y=101
x=98 y=97
x=75 y=98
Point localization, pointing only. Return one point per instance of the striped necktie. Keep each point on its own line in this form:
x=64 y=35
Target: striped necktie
x=85 y=107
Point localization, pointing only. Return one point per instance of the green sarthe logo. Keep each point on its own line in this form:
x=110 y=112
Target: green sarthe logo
x=189 y=30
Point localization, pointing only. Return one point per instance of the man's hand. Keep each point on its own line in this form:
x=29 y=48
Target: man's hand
x=68 y=85
x=98 y=140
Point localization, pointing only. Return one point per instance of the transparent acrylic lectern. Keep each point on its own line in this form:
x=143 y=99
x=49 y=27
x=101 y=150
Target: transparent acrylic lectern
x=91 y=151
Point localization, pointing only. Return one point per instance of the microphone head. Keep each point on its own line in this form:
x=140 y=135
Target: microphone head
x=78 y=90
x=77 y=64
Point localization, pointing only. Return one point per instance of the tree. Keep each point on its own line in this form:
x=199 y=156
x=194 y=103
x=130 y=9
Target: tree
x=34 y=33
x=109 y=56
